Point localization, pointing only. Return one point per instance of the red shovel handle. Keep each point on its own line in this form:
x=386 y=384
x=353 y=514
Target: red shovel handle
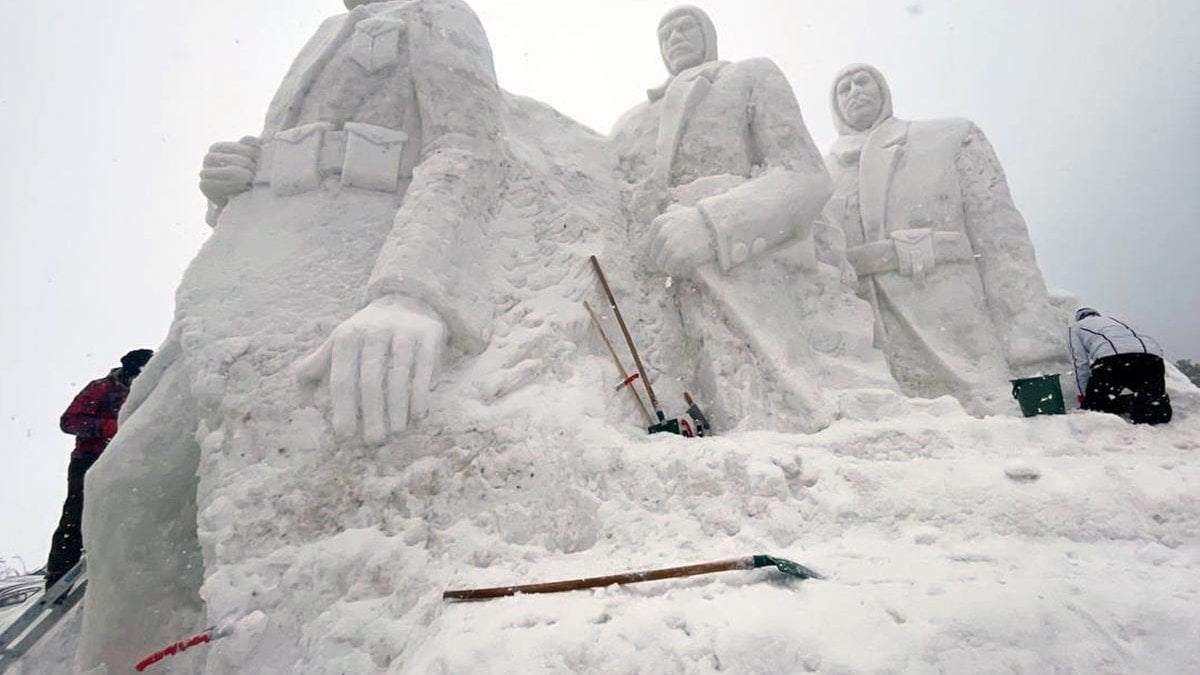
x=172 y=650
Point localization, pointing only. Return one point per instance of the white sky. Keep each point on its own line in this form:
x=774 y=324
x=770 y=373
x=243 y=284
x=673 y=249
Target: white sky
x=108 y=107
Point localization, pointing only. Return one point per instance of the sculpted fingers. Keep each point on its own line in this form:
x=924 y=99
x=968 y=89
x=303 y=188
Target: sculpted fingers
x=221 y=183
x=218 y=159
x=425 y=364
x=343 y=383
x=245 y=149
x=399 y=381
x=656 y=238
x=373 y=372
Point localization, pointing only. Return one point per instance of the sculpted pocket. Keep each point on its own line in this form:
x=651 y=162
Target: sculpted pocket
x=376 y=43
x=295 y=164
x=373 y=157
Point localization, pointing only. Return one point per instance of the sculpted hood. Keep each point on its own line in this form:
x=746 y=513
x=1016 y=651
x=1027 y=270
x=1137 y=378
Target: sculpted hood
x=710 y=41
x=849 y=143
x=885 y=110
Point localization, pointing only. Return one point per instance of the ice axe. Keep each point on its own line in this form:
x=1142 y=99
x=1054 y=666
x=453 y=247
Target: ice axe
x=784 y=565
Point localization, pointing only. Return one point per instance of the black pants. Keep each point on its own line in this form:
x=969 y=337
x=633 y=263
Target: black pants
x=67 y=545
x=1141 y=374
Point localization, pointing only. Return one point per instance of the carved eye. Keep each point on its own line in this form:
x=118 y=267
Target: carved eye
x=844 y=87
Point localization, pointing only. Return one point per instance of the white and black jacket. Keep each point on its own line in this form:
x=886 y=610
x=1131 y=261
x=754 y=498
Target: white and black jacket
x=1095 y=337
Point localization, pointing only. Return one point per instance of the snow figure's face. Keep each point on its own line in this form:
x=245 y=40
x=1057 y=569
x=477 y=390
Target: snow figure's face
x=682 y=43
x=860 y=99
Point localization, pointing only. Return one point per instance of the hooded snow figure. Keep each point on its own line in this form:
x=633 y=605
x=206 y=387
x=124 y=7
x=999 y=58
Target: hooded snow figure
x=940 y=249
x=397 y=225
x=723 y=185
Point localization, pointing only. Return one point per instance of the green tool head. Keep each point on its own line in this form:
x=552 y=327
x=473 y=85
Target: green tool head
x=786 y=566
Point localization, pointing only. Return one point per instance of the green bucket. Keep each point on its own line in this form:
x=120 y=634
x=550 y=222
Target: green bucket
x=1041 y=395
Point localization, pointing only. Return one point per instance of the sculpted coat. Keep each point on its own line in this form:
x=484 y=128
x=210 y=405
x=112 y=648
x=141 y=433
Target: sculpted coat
x=724 y=145
x=939 y=247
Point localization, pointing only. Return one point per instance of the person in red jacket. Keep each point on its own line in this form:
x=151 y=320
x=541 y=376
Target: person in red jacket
x=92 y=420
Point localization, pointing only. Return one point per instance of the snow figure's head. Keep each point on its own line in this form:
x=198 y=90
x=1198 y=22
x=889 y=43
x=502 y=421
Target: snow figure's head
x=861 y=99
x=686 y=38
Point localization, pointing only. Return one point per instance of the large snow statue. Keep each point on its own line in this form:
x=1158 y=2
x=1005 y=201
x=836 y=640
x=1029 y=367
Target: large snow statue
x=723 y=185
x=940 y=249
x=351 y=257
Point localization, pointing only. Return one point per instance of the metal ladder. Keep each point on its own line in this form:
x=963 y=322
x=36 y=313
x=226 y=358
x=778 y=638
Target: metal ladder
x=35 y=622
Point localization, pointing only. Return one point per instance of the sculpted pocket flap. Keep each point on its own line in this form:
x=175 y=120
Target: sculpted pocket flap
x=913 y=237
x=915 y=254
x=375 y=135
x=300 y=134
x=378 y=27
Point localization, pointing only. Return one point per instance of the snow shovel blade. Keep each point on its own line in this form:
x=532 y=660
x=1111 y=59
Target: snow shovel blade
x=789 y=567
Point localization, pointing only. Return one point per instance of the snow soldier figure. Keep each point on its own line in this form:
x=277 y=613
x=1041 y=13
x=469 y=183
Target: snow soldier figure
x=723 y=185
x=362 y=200
x=940 y=249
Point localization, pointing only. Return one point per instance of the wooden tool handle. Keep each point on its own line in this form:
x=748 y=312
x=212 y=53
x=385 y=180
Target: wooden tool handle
x=595 y=582
x=612 y=302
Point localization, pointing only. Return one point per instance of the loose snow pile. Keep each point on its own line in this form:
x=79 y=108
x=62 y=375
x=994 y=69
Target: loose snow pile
x=951 y=544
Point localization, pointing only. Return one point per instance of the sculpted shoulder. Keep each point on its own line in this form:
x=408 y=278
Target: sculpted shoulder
x=950 y=130
x=758 y=69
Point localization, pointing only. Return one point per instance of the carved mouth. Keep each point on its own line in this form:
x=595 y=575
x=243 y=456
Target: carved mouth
x=680 y=49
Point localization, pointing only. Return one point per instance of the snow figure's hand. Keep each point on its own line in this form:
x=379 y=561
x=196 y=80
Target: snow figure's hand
x=381 y=364
x=229 y=170
x=681 y=241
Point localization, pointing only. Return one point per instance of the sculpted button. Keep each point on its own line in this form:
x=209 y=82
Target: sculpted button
x=739 y=253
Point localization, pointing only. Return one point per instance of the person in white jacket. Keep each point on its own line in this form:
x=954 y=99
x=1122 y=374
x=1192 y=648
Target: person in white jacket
x=1109 y=357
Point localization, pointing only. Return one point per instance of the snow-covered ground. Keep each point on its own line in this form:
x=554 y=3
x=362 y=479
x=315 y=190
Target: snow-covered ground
x=951 y=544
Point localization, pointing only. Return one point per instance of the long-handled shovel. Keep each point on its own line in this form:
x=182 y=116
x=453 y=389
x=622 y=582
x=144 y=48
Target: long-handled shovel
x=788 y=567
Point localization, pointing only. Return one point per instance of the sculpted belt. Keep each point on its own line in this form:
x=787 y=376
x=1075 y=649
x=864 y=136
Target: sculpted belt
x=910 y=252
x=364 y=155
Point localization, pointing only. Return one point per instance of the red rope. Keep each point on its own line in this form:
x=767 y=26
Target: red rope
x=178 y=647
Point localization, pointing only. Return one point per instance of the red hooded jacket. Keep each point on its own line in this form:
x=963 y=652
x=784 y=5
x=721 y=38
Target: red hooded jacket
x=92 y=416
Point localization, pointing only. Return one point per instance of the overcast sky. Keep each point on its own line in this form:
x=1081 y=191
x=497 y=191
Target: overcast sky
x=108 y=107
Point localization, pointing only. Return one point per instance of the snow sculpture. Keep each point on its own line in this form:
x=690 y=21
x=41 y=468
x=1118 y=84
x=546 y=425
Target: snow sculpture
x=351 y=258
x=723 y=185
x=940 y=249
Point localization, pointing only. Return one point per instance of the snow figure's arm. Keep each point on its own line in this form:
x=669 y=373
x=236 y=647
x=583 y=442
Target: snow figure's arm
x=436 y=251
x=429 y=284
x=1079 y=359
x=1013 y=283
x=82 y=417
x=791 y=185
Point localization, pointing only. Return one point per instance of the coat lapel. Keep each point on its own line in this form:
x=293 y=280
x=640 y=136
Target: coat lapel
x=682 y=98
x=285 y=108
x=877 y=166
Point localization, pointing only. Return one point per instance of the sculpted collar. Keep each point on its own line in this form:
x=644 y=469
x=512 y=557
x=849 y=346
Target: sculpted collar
x=848 y=148
x=707 y=70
